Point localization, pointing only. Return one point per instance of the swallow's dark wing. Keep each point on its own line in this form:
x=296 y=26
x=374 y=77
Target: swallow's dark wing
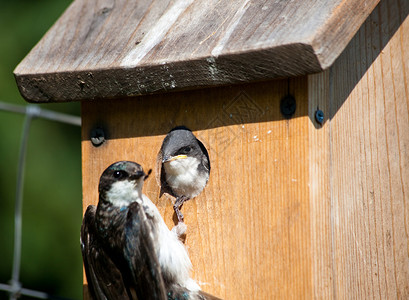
x=104 y=279
x=206 y=296
x=140 y=254
x=177 y=292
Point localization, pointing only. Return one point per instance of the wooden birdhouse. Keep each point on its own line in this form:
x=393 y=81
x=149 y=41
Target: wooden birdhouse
x=303 y=107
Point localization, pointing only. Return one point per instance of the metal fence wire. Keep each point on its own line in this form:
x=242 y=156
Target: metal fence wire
x=31 y=112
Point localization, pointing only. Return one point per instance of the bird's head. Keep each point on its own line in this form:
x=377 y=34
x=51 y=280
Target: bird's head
x=121 y=183
x=180 y=144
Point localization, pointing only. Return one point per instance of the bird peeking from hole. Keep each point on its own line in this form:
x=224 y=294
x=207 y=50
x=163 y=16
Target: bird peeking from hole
x=185 y=167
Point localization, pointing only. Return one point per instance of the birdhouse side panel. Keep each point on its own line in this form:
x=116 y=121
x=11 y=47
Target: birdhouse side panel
x=370 y=158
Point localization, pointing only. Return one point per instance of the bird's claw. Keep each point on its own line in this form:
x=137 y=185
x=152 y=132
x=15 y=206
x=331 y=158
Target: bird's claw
x=178 y=213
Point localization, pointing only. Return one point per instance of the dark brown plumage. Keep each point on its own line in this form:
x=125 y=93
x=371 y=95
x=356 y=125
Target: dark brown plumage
x=128 y=251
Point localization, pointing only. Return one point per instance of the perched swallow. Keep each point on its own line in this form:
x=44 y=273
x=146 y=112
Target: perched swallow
x=128 y=251
x=185 y=167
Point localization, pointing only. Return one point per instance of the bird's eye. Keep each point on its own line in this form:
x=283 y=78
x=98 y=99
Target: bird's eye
x=120 y=174
x=187 y=149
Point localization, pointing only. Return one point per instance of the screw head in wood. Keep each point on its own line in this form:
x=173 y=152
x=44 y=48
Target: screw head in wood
x=319 y=116
x=97 y=136
x=288 y=106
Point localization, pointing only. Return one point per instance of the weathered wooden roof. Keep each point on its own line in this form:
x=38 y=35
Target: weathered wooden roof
x=109 y=49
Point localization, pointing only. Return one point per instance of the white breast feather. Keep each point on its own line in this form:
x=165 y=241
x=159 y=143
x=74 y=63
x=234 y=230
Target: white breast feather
x=173 y=257
x=122 y=193
x=183 y=177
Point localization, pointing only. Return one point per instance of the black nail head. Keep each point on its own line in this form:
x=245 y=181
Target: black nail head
x=287 y=106
x=319 y=116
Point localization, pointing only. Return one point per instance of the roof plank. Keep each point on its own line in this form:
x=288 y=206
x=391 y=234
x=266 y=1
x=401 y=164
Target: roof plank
x=117 y=48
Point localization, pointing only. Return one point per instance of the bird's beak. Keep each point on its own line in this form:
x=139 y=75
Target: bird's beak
x=172 y=158
x=147 y=175
x=138 y=175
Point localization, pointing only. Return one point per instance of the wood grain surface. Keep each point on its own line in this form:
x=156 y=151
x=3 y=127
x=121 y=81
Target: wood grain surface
x=249 y=231
x=322 y=270
x=369 y=150
x=112 y=49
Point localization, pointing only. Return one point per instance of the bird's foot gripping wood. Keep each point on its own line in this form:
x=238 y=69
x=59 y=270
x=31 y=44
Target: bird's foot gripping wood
x=178 y=214
x=178 y=205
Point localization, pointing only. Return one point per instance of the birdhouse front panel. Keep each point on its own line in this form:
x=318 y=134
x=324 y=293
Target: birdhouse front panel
x=249 y=230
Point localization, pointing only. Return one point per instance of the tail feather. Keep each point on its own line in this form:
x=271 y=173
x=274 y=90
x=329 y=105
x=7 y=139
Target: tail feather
x=206 y=296
x=177 y=292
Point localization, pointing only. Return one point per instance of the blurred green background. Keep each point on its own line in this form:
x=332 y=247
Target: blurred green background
x=51 y=257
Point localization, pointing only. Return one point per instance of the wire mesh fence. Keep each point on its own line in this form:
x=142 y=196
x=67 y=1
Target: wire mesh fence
x=15 y=287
